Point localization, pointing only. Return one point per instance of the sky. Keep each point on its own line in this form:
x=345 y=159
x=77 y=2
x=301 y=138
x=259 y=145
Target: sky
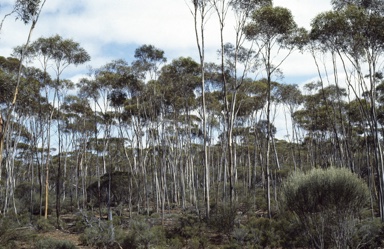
x=113 y=29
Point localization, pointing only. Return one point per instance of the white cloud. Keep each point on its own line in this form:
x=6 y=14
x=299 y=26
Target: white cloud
x=304 y=11
x=167 y=24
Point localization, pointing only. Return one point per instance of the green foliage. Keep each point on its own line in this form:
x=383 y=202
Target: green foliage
x=260 y=199
x=269 y=23
x=189 y=226
x=239 y=234
x=368 y=234
x=44 y=225
x=336 y=190
x=222 y=218
x=263 y=232
x=102 y=235
x=192 y=230
x=54 y=244
x=175 y=243
x=27 y=10
x=259 y=232
x=327 y=203
x=10 y=232
x=194 y=243
x=292 y=233
x=24 y=193
x=142 y=234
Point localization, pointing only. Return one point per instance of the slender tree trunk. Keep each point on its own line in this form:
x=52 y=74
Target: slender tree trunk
x=200 y=7
x=269 y=129
x=58 y=177
x=47 y=163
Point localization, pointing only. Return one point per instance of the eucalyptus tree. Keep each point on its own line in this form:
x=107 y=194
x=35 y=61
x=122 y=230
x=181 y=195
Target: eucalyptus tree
x=319 y=45
x=179 y=80
x=291 y=97
x=108 y=83
x=127 y=85
x=126 y=98
x=18 y=139
x=319 y=120
x=234 y=59
x=27 y=115
x=100 y=89
x=17 y=123
x=148 y=60
x=78 y=122
x=273 y=30
x=89 y=89
x=148 y=108
x=251 y=110
x=8 y=75
x=37 y=107
x=200 y=11
x=380 y=100
x=362 y=147
x=41 y=50
x=61 y=53
x=28 y=11
x=353 y=31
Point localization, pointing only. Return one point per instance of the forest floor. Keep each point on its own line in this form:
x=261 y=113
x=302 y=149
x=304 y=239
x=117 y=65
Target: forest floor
x=56 y=234
x=64 y=235
x=67 y=234
x=168 y=221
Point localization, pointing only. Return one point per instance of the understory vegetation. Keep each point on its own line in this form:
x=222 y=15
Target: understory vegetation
x=320 y=208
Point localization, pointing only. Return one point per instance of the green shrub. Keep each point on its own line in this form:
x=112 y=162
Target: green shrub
x=44 y=225
x=27 y=198
x=263 y=232
x=10 y=232
x=189 y=226
x=54 y=244
x=175 y=243
x=323 y=190
x=222 y=218
x=190 y=231
x=327 y=203
x=142 y=234
x=368 y=234
x=292 y=234
x=79 y=225
x=194 y=243
x=102 y=235
x=239 y=235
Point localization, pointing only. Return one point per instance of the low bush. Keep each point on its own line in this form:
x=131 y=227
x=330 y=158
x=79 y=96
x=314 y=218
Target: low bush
x=368 y=234
x=222 y=218
x=263 y=232
x=328 y=204
x=27 y=198
x=49 y=243
x=44 y=225
x=142 y=234
x=175 y=243
x=102 y=235
x=190 y=231
x=10 y=232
